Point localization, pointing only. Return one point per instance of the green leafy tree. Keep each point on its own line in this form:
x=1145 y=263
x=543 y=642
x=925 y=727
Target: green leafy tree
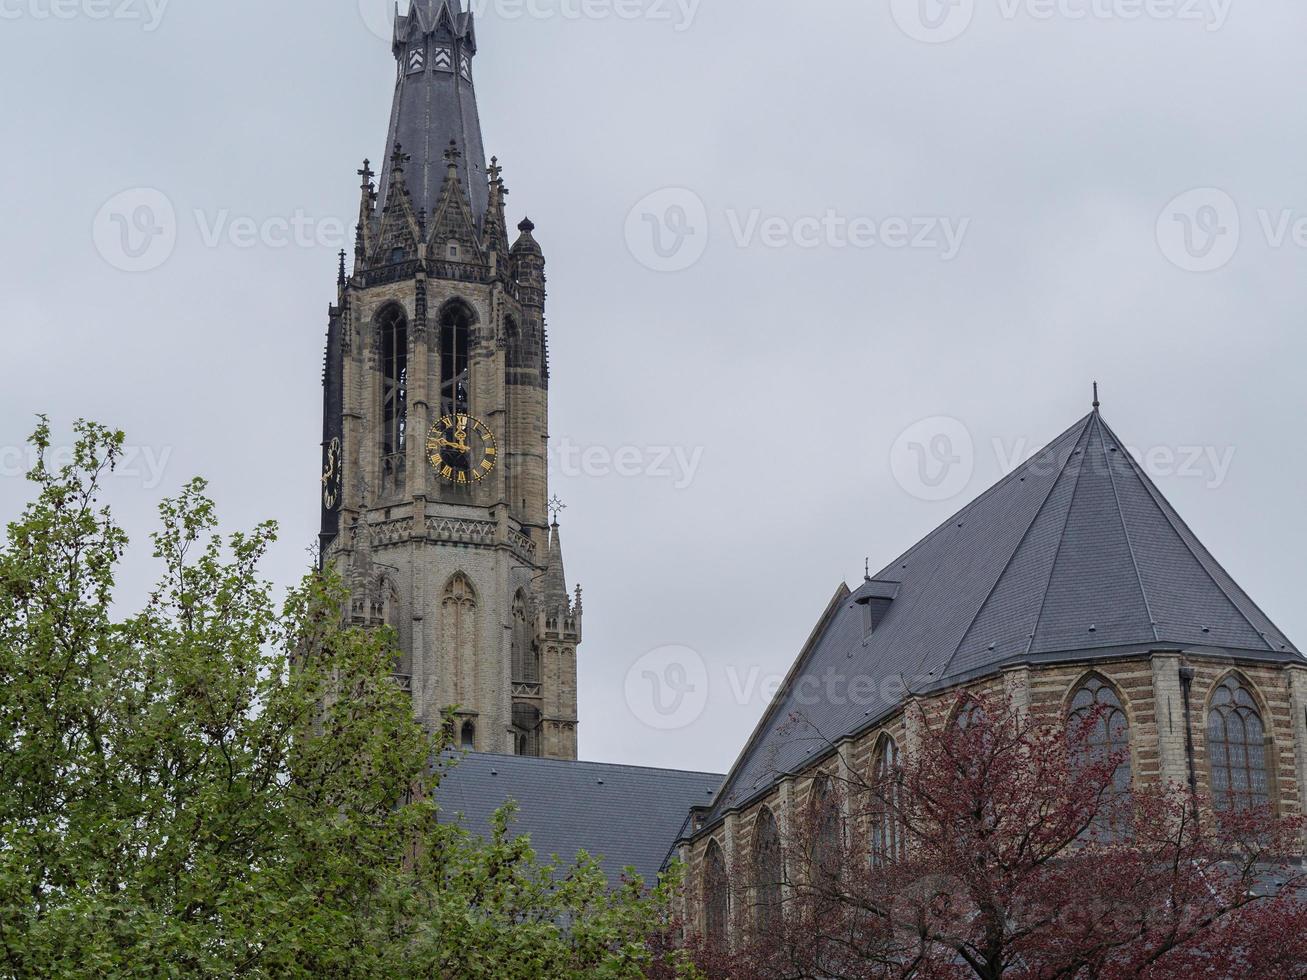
x=221 y=785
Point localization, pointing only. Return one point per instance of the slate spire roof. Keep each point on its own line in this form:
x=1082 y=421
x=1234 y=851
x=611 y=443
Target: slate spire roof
x=555 y=586
x=435 y=103
x=1074 y=556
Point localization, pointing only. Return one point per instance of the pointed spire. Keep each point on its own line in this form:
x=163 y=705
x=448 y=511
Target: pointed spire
x=435 y=102
x=555 y=586
x=496 y=223
x=340 y=276
x=367 y=211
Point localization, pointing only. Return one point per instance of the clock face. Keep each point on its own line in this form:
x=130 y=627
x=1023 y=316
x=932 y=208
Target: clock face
x=462 y=449
x=331 y=476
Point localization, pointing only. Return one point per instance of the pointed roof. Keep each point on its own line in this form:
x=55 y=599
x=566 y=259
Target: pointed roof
x=435 y=103
x=1074 y=556
x=555 y=577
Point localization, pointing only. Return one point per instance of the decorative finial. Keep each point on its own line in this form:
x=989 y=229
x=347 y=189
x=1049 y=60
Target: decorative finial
x=452 y=153
x=398 y=159
x=557 y=507
x=341 y=278
x=367 y=174
x=867 y=573
x=526 y=227
x=1097 y=403
x=494 y=170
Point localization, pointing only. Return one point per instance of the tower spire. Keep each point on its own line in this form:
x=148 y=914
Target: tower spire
x=435 y=103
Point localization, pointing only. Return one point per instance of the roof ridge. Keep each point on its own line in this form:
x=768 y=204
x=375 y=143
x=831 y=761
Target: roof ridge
x=1057 y=554
x=989 y=492
x=1125 y=527
x=946 y=525
x=533 y=760
x=1167 y=511
x=823 y=624
x=1025 y=535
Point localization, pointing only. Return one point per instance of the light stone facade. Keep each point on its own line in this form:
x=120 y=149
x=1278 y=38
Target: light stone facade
x=440 y=317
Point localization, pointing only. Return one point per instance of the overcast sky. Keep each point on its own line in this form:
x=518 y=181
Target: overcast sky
x=894 y=247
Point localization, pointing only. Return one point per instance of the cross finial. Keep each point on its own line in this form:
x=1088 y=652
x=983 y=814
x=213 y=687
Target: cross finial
x=557 y=507
x=494 y=170
x=1097 y=403
x=341 y=278
x=398 y=159
x=452 y=153
x=366 y=173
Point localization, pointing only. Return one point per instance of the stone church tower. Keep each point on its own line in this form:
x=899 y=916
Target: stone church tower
x=435 y=505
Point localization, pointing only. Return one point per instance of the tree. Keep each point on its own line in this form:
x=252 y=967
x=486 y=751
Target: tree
x=1016 y=853
x=177 y=800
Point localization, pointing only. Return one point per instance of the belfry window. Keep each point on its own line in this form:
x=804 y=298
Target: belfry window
x=455 y=332
x=469 y=737
x=393 y=326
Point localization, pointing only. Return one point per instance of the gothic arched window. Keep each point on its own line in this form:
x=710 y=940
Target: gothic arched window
x=458 y=609
x=768 y=871
x=1236 y=747
x=827 y=836
x=393 y=328
x=716 y=894
x=887 y=790
x=1098 y=717
x=526 y=657
x=969 y=714
x=526 y=730
x=469 y=737
x=455 y=336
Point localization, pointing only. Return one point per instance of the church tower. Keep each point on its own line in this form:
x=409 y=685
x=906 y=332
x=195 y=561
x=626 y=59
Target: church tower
x=435 y=505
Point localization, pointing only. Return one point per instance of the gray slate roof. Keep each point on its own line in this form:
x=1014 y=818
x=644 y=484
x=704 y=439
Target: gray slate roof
x=433 y=107
x=625 y=815
x=1074 y=556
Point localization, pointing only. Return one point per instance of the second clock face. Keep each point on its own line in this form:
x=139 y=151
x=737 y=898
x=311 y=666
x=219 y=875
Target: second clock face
x=462 y=449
